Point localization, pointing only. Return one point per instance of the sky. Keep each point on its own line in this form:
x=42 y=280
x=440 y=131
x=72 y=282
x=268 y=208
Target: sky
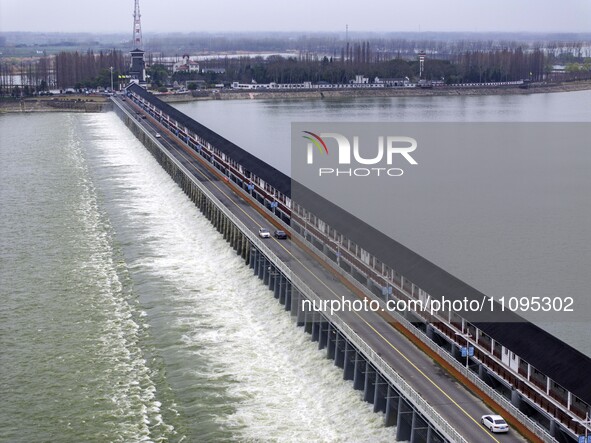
x=110 y=16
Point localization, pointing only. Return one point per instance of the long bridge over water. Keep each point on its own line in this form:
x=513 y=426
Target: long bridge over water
x=408 y=366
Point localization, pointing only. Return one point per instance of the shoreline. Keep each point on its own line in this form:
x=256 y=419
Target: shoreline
x=387 y=92
x=71 y=103
x=83 y=103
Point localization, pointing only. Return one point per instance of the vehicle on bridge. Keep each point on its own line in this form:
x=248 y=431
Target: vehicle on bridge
x=494 y=423
x=281 y=235
x=264 y=233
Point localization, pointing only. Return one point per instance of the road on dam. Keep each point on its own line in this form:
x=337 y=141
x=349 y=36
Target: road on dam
x=455 y=404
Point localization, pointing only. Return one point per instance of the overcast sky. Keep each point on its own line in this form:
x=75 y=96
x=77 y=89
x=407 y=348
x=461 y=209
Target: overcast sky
x=299 y=15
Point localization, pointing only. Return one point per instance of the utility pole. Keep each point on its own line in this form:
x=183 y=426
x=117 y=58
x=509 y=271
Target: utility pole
x=346 y=42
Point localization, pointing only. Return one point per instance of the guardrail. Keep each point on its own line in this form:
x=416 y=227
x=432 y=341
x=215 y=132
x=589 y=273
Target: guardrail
x=416 y=400
x=494 y=395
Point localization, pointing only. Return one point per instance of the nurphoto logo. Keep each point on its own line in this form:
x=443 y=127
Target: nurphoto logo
x=389 y=148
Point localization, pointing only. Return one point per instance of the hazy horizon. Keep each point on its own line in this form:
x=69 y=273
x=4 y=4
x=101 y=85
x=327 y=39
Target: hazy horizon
x=226 y=16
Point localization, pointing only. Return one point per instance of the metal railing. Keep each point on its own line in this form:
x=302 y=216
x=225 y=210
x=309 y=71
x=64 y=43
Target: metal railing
x=473 y=378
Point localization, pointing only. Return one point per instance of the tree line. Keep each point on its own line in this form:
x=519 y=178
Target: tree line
x=62 y=71
x=467 y=67
x=25 y=77
x=89 y=69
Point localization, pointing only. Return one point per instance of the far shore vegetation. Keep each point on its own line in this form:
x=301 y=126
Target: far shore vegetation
x=449 y=60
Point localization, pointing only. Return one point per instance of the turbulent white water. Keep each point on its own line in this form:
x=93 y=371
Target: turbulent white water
x=125 y=317
x=236 y=365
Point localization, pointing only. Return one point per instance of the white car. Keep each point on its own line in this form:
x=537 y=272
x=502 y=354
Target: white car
x=494 y=423
x=158 y=135
x=264 y=233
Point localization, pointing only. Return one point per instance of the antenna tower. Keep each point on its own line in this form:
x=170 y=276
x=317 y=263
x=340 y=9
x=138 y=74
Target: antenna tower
x=137 y=26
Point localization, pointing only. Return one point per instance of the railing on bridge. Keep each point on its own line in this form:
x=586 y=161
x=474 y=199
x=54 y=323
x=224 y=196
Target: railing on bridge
x=473 y=378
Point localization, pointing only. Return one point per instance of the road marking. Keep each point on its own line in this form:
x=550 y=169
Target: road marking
x=357 y=314
x=427 y=377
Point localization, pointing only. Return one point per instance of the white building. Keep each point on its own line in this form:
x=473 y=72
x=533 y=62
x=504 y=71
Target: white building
x=186 y=65
x=360 y=80
x=392 y=82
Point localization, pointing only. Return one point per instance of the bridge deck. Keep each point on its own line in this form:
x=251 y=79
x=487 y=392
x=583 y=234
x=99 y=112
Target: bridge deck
x=456 y=404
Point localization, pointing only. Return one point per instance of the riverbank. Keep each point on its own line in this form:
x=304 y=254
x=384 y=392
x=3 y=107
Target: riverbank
x=84 y=103
x=73 y=103
x=385 y=92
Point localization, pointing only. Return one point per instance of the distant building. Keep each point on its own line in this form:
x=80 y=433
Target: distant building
x=360 y=80
x=214 y=70
x=392 y=82
x=186 y=65
x=137 y=70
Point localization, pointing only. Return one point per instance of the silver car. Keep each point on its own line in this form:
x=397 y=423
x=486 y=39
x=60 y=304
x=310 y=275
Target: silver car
x=264 y=233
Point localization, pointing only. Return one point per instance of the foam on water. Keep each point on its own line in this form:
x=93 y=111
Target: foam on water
x=239 y=367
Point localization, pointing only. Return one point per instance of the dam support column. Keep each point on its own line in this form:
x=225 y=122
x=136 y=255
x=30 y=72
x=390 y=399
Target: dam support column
x=369 y=383
x=348 y=362
x=287 y=301
x=392 y=402
x=404 y=421
x=359 y=372
x=323 y=332
x=332 y=338
x=380 y=392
